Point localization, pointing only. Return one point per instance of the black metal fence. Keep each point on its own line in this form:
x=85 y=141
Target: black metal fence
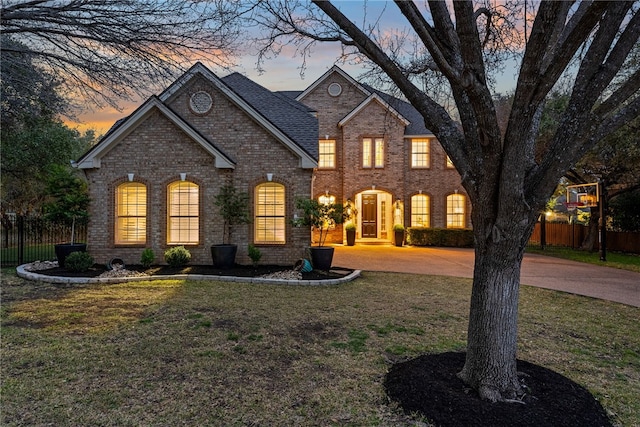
x=27 y=239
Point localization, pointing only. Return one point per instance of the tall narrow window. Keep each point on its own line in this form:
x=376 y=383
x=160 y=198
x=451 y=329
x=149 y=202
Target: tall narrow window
x=183 y=207
x=366 y=153
x=420 y=153
x=420 y=214
x=372 y=152
x=379 y=154
x=270 y=214
x=131 y=214
x=327 y=154
x=455 y=211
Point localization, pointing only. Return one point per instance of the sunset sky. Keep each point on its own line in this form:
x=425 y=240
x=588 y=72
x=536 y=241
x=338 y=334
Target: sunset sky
x=283 y=73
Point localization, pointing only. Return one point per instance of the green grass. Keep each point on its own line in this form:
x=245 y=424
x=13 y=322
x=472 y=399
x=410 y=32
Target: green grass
x=622 y=261
x=234 y=354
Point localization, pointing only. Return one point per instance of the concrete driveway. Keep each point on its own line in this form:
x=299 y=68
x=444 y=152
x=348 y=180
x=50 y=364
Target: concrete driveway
x=537 y=270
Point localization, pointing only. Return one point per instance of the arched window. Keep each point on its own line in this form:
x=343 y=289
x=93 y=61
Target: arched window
x=131 y=214
x=420 y=213
x=183 y=207
x=269 y=214
x=455 y=211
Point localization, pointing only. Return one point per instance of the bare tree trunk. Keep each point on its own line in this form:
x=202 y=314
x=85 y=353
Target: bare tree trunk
x=589 y=241
x=490 y=366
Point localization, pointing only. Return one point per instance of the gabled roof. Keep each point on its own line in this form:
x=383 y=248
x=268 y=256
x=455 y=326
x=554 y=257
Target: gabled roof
x=416 y=125
x=291 y=117
x=288 y=121
x=369 y=100
x=93 y=157
x=414 y=120
x=334 y=69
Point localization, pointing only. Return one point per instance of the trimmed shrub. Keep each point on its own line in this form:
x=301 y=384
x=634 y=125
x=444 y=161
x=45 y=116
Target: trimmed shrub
x=147 y=257
x=453 y=237
x=177 y=256
x=255 y=254
x=78 y=261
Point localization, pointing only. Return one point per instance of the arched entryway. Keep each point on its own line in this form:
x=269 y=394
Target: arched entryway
x=377 y=212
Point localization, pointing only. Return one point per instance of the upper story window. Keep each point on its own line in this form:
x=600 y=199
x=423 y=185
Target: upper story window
x=455 y=211
x=183 y=207
x=327 y=154
x=334 y=89
x=269 y=224
x=420 y=212
x=372 y=152
x=131 y=214
x=420 y=153
x=450 y=163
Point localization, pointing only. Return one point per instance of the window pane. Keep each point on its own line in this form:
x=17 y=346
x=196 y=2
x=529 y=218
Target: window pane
x=131 y=213
x=270 y=214
x=379 y=152
x=183 y=224
x=420 y=153
x=327 y=154
x=420 y=211
x=449 y=163
x=366 y=152
x=455 y=211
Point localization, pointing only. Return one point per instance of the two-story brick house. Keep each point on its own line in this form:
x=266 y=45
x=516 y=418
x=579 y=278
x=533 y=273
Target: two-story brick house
x=154 y=176
x=376 y=153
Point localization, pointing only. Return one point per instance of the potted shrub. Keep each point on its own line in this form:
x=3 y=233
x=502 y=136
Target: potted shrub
x=69 y=203
x=234 y=209
x=321 y=217
x=398 y=234
x=351 y=233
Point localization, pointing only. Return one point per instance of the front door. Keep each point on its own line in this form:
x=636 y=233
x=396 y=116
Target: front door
x=370 y=215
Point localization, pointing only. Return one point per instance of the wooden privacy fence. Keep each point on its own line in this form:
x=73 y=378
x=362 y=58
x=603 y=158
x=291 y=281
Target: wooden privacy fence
x=26 y=239
x=572 y=235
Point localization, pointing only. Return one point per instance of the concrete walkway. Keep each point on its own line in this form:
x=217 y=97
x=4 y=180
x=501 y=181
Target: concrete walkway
x=542 y=271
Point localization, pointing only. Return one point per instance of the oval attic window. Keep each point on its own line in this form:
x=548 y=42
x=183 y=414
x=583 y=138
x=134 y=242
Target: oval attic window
x=334 y=89
x=201 y=102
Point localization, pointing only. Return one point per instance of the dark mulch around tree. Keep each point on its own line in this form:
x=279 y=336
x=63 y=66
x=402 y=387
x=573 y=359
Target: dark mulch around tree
x=237 y=270
x=428 y=385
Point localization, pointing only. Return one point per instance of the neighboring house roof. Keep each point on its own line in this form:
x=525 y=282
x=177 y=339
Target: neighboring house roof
x=369 y=100
x=292 y=124
x=93 y=157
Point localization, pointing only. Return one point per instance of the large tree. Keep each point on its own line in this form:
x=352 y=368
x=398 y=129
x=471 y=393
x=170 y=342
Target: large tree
x=507 y=181
x=107 y=51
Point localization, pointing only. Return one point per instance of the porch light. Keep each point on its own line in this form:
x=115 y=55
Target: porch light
x=183 y=176
x=269 y=177
x=130 y=177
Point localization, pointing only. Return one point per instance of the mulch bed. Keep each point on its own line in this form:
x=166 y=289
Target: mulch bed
x=428 y=385
x=237 y=270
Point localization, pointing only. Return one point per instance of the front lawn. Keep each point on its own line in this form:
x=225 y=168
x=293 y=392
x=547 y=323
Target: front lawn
x=225 y=354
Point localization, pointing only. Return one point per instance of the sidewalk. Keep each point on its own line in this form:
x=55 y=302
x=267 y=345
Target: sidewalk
x=541 y=271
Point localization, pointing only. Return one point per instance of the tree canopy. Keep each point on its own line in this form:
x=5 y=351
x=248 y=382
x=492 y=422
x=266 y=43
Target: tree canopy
x=103 y=52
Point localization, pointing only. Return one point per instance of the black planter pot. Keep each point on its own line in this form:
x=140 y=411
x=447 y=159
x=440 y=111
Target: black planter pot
x=224 y=256
x=63 y=250
x=399 y=237
x=351 y=237
x=321 y=257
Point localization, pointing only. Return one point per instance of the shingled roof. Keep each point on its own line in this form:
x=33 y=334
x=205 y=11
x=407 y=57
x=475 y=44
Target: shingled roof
x=293 y=118
x=408 y=111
